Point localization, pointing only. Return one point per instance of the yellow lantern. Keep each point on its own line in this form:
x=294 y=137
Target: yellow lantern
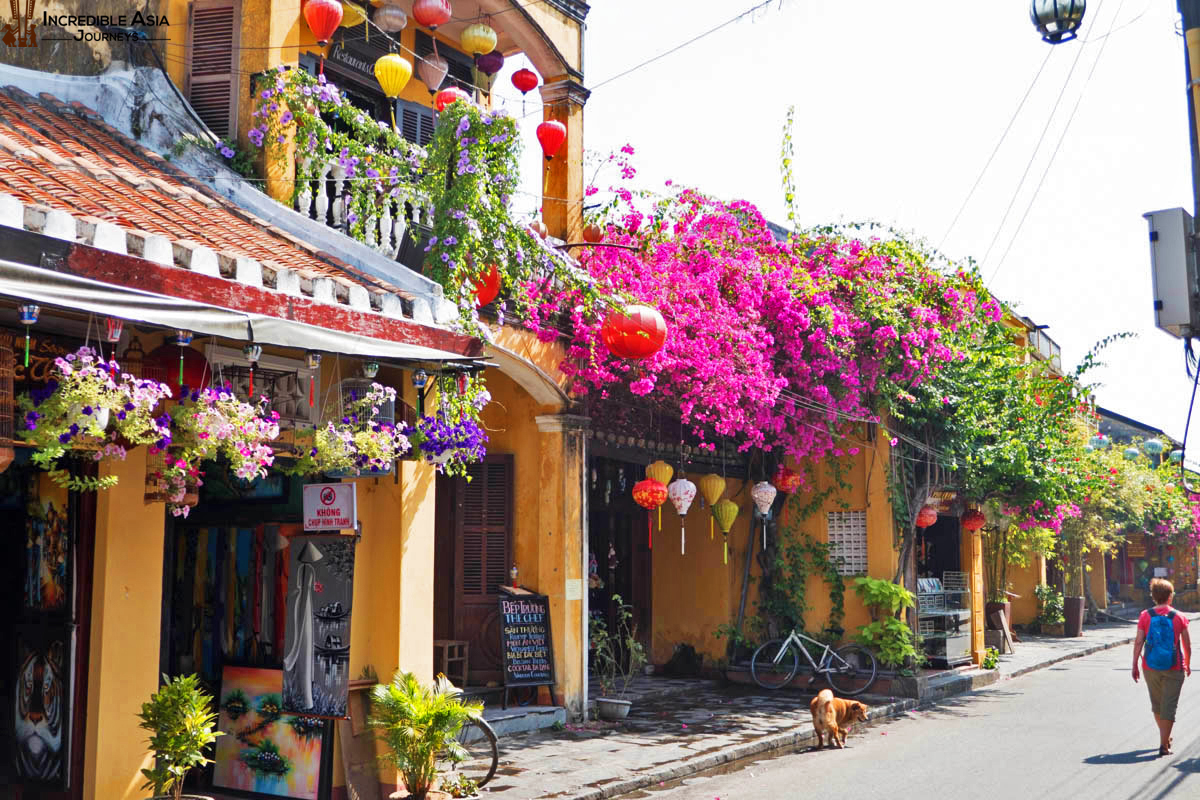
x=392 y=72
x=725 y=512
x=660 y=471
x=354 y=15
x=712 y=486
x=478 y=39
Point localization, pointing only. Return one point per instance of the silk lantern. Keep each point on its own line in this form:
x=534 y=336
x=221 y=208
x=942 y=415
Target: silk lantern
x=725 y=512
x=550 y=135
x=391 y=19
x=487 y=287
x=354 y=15
x=763 y=495
x=432 y=69
x=490 y=63
x=478 y=39
x=681 y=492
x=973 y=520
x=323 y=18
x=593 y=233
x=449 y=95
x=649 y=494
x=431 y=13
x=926 y=516
x=393 y=73
x=712 y=486
x=525 y=80
x=660 y=471
x=634 y=332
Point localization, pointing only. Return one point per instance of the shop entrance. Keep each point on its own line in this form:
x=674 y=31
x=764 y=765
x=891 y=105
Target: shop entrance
x=939 y=549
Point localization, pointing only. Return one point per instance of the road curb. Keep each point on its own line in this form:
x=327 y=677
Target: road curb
x=1087 y=651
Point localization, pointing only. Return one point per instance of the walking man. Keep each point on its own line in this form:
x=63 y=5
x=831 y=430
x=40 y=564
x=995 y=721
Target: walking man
x=1163 y=633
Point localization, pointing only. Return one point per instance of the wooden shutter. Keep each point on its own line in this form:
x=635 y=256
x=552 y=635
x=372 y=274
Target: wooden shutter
x=416 y=122
x=211 y=63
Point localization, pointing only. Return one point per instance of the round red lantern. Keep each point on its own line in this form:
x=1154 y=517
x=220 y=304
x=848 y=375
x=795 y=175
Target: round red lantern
x=487 y=287
x=649 y=494
x=323 y=18
x=550 y=136
x=973 y=520
x=431 y=13
x=449 y=95
x=593 y=233
x=788 y=480
x=926 y=516
x=635 y=332
x=525 y=80
x=162 y=364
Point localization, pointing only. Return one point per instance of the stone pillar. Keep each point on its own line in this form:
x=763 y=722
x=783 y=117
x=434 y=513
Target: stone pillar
x=975 y=570
x=562 y=533
x=562 y=181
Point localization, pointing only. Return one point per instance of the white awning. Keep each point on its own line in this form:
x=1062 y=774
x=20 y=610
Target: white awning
x=48 y=288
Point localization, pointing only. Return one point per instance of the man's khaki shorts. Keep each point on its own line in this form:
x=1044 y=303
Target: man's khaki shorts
x=1164 y=686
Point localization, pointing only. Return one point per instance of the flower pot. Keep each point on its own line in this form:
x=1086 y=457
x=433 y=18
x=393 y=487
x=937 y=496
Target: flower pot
x=440 y=458
x=610 y=709
x=191 y=495
x=99 y=416
x=1006 y=607
x=1053 y=628
x=1074 y=610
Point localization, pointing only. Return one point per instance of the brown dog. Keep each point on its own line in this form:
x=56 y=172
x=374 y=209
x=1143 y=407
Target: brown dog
x=833 y=716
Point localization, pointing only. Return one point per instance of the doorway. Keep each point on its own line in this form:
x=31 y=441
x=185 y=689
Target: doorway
x=939 y=549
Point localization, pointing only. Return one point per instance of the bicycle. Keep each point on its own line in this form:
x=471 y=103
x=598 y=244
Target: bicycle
x=482 y=754
x=850 y=669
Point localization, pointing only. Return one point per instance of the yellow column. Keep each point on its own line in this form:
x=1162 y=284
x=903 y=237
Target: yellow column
x=269 y=36
x=562 y=537
x=126 y=621
x=562 y=184
x=978 y=623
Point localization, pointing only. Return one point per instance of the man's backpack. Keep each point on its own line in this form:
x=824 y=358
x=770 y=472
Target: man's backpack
x=1160 y=641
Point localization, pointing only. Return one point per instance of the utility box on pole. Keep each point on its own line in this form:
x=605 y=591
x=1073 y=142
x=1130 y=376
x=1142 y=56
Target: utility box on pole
x=1173 y=269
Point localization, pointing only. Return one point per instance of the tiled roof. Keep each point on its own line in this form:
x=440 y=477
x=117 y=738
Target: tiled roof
x=67 y=158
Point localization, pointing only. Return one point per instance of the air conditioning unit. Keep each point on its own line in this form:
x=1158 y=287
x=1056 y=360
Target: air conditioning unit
x=1173 y=270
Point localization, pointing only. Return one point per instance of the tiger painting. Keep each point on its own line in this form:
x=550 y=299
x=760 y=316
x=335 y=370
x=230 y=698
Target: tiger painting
x=39 y=713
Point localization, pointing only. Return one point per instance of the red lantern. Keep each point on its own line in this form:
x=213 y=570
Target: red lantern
x=526 y=80
x=788 y=480
x=323 y=18
x=593 y=233
x=973 y=520
x=431 y=13
x=487 y=287
x=926 y=516
x=164 y=361
x=551 y=136
x=636 y=332
x=449 y=95
x=649 y=494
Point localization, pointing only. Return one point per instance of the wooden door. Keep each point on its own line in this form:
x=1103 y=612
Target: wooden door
x=483 y=556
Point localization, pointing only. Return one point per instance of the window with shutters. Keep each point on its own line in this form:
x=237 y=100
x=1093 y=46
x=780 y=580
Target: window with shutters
x=847 y=532
x=212 y=48
x=415 y=121
x=486 y=515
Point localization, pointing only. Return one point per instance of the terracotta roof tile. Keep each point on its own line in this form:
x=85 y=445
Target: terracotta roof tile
x=66 y=157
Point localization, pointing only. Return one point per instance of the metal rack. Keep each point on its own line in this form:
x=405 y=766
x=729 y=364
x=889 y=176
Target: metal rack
x=944 y=618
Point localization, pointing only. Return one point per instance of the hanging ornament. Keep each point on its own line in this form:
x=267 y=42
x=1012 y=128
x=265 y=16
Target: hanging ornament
x=660 y=471
x=370 y=369
x=432 y=69
x=763 y=495
x=354 y=15
x=1176 y=456
x=478 y=39
x=525 y=80
x=789 y=481
x=926 y=516
x=551 y=135
x=1132 y=452
x=183 y=339
x=725 y=512
x=973 y=520
x=431 y=13
x=1153 y=446
x=252 y=352
x=634 y=332
x=112 y=329
x=681 y=492
x=449 y=95
x=393 y=73
x=490 y=63
x=323 y=18
x=314 y=363
x=487 y=288
x=28 y=315
x=593 y=233
x=712 y=486
x=539 y=229
x=649 y=494
x=460 y=383
x=391 y=19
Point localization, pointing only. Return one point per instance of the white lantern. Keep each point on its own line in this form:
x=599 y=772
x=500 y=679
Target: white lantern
x=681 y=493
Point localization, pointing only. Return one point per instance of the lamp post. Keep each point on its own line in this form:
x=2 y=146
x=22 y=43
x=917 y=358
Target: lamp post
x=1057 y=20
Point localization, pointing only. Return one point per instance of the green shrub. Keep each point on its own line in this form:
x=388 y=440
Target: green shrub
x=891 y=640
x=1050 y=604
x=882 y=597
x=181 y=723
x=991 y=657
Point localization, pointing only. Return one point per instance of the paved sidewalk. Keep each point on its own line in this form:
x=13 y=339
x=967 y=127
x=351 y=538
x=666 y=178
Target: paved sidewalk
x=678 y=727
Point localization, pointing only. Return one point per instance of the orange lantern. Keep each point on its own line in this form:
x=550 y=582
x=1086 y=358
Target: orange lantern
x=635 y=332
x=649 y=494
x=487 y=287
x=926 y=516
x=973 y=520
x=593 y=233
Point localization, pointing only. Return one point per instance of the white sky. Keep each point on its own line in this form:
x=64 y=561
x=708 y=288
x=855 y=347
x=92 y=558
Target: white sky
x=898 y=105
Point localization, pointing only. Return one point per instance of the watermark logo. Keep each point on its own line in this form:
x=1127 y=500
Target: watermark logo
x=21 y=32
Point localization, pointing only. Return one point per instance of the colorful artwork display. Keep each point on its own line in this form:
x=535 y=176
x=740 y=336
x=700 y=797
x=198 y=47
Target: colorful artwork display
x=316 y=662
x=265 y=750
x=42 y=703
x=48 y=549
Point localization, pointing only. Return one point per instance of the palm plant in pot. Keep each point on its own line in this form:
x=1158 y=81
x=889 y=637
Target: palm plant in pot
x=617 y=657
x=181 y=722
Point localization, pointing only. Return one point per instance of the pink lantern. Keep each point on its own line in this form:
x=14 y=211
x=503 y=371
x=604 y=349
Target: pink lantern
x=681 y=493
x=432 y=69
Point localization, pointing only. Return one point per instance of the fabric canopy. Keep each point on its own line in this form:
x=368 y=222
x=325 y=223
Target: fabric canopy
x=48 y=288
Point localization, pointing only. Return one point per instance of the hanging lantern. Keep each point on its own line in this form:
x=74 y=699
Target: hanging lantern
x=1057 y=20
x=460 y=383
x=763 y=495
x=323 y=18
x=1176 y=456
x=112 y=329
x=391 y=19
x=725 y=512
x=183 y=339
x=478 y=39
x=649 y=494
x=1153 y=446
x=353 y=15
x=432 y=69
x=926 y=516
x=712 y=486
x=28 y=314
x=551 y=135
x=660 y=471
x=681 y=492
x=635 y=332
x=449 y=95
x=539 y=229
x=525 y=80
x=593 y=233
x=1132 y=452
x=431 y=13
x=490 y=63
x=487 y=288
x=313 y=359
x=788 y=480
x=370 y=369
x=252 y=352
x=393 y=73
x=973 y=520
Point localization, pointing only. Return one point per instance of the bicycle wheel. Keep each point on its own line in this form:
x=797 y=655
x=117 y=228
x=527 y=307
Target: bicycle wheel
x=772 y=669
x=481 y=758
x=852 y=669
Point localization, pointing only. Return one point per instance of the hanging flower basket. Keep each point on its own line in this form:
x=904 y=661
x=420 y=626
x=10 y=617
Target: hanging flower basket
x=360 y=442
x=449 y=445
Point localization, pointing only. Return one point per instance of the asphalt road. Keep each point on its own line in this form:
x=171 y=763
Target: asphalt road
x=1080 y=729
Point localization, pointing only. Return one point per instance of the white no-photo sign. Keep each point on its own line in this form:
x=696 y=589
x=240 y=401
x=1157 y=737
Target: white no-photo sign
x=330 y=506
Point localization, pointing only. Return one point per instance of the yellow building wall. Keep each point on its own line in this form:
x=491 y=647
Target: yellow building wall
x=1023 y=581
x=1096 y=579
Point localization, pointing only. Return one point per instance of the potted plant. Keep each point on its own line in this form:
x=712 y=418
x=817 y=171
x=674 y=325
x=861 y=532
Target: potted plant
x=449 y=443
x=358 y=443
x=181 y=722
x=887 y=634
x=420 y=726
x=1051 y=617
x=617 y=657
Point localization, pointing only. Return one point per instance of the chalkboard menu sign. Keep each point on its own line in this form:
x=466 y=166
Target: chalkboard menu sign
x=525 y=638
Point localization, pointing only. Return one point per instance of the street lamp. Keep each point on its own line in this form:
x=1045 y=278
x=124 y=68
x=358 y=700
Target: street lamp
x=1057 y=20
